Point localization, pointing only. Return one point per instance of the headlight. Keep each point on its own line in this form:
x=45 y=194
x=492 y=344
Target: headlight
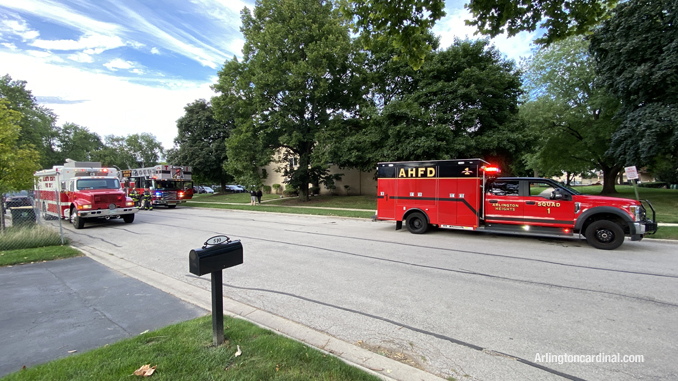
x=635 y=212
x=85 y=206
x=130 y=203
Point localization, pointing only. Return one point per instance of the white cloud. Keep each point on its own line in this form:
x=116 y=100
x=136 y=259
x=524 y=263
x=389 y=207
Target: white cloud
x=453 y=25
x=9 y=45
x=60 y=14
x=19 y=28
x=95 y=42
x=119 y=64
x=155 y=50
x=81 y=57
x=147 y=107
x=44 y=56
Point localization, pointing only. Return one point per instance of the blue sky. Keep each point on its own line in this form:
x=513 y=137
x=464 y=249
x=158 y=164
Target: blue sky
x=126 y=66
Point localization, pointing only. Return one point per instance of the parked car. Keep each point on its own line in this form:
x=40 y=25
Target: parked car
x=234 y=189
x=14 y=201
x=207 y=189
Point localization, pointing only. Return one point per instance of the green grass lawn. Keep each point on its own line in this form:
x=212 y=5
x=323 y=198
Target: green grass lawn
x=39 y=254
x=290 y=210
x=184 y=351
x=665 y=232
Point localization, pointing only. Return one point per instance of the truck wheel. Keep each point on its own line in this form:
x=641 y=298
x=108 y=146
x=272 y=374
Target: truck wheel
x=171 y=206
x=129 y=218
x=604 y=234
x=416 y=223
x=77 y=222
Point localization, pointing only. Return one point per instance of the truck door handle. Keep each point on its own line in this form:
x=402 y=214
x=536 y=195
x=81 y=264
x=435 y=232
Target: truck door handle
x=530 y=202
x=493 y=201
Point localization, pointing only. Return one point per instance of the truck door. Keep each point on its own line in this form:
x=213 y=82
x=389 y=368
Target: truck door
x=543 y=208
x=503 y=203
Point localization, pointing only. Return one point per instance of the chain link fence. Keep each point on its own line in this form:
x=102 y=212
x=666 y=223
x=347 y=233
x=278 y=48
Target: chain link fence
x=29 y=221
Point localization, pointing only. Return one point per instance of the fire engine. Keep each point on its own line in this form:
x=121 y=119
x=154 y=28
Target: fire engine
x=468 y=194
x=80 y=191
x=169 y=185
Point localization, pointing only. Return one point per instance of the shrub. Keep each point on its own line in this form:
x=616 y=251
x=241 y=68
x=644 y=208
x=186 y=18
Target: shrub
x=290 y=191
x=276 y=188
x=315 y=190
x=267 y=189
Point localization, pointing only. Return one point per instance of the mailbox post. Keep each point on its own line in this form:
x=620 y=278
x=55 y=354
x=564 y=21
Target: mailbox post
x=216 y=254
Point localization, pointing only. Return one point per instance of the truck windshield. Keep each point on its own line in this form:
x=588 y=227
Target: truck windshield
x=97 y=184
x=168 y=185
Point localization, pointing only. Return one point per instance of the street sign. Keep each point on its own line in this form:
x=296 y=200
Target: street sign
x=631 y=173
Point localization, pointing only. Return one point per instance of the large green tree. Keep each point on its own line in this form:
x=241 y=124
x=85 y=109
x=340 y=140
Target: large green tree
x=201 y=143
x=571 y=116
x=145 y=147
x=406 y=22
x=463 y=102
x=636 y=56
x=114 y=152
x=76 y=142
x=298 y=73
x=37 y=124
x=18 y=160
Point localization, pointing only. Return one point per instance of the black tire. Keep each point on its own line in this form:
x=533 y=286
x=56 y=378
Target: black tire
x=417 y=223
x=77 y=222
x=605 y=235
x=128 y=218
x=171 y=206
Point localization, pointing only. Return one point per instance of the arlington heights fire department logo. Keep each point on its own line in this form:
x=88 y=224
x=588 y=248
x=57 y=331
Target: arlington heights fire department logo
x=466 y=171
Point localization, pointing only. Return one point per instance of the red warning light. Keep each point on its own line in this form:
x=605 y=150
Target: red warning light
x=491 y=169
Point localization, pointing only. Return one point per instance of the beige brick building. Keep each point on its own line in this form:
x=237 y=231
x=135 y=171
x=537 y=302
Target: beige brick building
x=360 y=183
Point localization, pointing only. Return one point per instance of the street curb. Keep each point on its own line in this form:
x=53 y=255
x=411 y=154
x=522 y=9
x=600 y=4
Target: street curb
x=370 y=362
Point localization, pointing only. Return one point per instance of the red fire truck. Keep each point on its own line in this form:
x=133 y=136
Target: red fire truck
x=80 y=191
x=467 y=194
x=169 y=185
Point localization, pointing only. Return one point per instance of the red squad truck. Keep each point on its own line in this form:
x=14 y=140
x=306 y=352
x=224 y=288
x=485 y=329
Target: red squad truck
x=467 y=194
x=85 y=191
x=169 y=185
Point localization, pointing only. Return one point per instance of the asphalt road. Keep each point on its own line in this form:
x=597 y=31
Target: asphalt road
x=462 y=304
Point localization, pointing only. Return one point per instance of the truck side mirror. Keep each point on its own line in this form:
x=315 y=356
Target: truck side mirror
x=559 y=195
x=63 y=185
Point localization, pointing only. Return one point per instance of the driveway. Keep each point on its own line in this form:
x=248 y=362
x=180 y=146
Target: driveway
x=51 y=309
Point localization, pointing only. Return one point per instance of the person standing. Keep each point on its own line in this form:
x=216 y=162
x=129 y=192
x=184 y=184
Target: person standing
x=134 y=194
x=148 y=200
x=259 y=194
x=253 y=197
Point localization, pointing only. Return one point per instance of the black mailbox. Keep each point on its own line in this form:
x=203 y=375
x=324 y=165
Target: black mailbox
x=215 y=258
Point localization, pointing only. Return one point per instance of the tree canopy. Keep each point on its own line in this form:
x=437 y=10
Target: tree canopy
x=405 y=23
x=636 y=56
x=568 y=113
x=463 y=102
x=201 y=143
x=37 y=123
x=298 y=73
x=18 y=161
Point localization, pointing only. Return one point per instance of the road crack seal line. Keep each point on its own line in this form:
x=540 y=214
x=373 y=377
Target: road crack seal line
x=492 y=255
x=398 y=324
x=466 y=272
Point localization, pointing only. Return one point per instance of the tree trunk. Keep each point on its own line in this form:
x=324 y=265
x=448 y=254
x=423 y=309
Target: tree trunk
x=609 y=179
x=304 y=161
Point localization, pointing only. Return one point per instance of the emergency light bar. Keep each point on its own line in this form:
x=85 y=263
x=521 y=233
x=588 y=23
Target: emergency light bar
x=491 y=169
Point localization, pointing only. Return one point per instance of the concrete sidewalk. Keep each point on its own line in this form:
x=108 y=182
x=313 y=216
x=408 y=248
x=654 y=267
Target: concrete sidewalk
x=76 y=304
